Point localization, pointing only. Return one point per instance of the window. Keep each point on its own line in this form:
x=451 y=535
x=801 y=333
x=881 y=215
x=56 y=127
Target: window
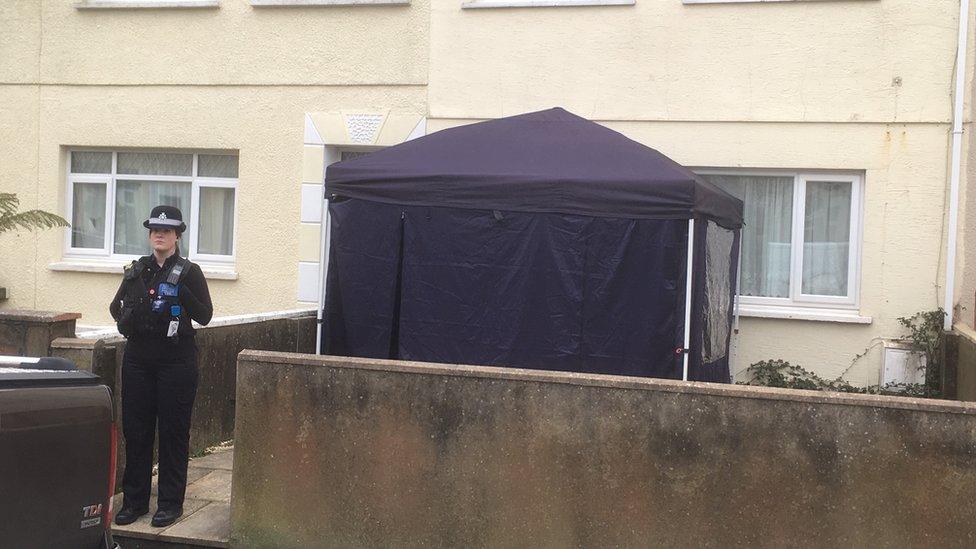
x=800 y=242
x=111 y=193
x=345 y=154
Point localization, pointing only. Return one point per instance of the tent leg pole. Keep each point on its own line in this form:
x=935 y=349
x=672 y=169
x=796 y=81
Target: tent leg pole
x=735 y=303
x=325 y=239
x=689 y=279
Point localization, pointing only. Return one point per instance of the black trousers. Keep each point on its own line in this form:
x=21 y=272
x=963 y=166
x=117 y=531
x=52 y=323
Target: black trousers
x=158 y=387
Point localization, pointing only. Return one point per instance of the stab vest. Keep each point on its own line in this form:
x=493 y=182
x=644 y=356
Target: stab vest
x=138 y=315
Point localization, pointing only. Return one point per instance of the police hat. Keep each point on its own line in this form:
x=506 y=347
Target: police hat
x=165 y=217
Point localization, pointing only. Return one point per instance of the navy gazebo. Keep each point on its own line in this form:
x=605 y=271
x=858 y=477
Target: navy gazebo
x=540 y=241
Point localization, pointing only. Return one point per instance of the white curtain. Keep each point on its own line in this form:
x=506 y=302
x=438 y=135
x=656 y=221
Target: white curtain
x=88 y=215
x=826 y=238
x=133 y=202
x=767 y=231
x=216 y=221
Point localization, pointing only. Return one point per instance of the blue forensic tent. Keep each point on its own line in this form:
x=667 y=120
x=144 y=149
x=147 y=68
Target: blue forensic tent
x=539 y=241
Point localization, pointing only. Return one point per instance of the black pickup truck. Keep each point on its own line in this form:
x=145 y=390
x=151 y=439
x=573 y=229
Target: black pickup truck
x=57 y=456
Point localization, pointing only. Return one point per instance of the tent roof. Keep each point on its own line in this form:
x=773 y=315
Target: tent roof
x=546 y=161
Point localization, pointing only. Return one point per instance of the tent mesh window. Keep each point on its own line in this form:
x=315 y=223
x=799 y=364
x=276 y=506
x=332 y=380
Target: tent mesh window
x=718 y=292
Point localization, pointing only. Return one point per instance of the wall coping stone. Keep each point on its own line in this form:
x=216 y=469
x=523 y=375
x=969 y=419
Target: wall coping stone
x=612 y=381
x=27 y=315
x=74 y=343
x=111 y=332
x=965 y=331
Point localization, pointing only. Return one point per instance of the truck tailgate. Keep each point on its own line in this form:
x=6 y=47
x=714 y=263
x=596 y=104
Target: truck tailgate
x=55 y=437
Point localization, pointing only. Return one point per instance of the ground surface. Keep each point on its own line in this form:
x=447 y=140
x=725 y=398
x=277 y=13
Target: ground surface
x=206 y=510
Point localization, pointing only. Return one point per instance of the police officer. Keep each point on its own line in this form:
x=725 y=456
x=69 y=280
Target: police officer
x=159 y=295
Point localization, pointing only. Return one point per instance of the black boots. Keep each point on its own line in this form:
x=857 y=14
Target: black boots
x=165 y=517
x=128 y=515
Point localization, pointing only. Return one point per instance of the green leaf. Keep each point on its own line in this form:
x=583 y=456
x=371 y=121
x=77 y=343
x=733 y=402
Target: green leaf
x=11 y=220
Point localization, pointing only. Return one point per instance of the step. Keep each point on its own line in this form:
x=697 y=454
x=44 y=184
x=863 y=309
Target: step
x=206 y=509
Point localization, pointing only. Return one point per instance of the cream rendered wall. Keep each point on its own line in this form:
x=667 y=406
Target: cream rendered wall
x=966 y=265
x=236 y=44
x=664 y=60
x=966 y=271
x=236 y=78
x=965 y=291
x=18 y=174
x=19 y=96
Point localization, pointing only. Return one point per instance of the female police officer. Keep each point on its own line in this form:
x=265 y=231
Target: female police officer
x=159 y=295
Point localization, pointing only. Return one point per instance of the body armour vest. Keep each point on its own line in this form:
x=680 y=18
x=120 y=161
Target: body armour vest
x=152 y=310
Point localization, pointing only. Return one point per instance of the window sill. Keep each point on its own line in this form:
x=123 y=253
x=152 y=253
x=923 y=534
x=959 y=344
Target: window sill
x=312 y=3
x=802 y=313
x=483 y=4
x=213 y=272
x=743 y=1
x=144 y=4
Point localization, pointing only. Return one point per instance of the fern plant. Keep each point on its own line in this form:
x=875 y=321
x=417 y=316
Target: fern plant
x=11 y=219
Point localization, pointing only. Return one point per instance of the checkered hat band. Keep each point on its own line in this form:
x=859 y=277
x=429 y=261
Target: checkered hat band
x=165 y=222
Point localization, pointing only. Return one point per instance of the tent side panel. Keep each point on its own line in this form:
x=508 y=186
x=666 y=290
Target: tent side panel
x=716 y=255
x=360 y=301
x=546 y=291
x=491 y=288
x=634 y=296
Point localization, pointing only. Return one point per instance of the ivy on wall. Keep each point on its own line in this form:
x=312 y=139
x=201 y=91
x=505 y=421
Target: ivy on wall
x=925 y=335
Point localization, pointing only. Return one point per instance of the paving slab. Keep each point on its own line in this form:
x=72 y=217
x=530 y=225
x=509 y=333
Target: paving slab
x=193 y=474
x=221 y=458
x=214 y=486
x=206 y=509
x=142 y=527
x=209 y=524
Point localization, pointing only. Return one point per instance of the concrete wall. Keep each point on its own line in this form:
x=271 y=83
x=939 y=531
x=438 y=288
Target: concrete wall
x=335 y=452
x=964 y=356
x=30 y=333
x=856 y=85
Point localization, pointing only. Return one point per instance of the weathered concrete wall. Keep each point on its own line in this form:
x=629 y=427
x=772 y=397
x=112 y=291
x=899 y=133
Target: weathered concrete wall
x=30 y=333
x=213 y=410
x=345 y=452
x=964 y=356
x=92 y=355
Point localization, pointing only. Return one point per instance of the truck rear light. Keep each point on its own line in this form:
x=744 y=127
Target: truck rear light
x=113 y=444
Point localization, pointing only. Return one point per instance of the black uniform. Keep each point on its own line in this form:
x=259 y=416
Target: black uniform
x=159 y=374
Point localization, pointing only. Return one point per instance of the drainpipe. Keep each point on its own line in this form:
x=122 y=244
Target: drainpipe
x=956 y=159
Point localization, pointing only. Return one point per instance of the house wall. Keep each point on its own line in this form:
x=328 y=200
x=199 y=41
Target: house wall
x=858 y=85
x=966 y=268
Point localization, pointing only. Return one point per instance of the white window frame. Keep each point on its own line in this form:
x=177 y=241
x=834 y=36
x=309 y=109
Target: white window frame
x=145 y=4
x=491 y=4
x=797 y=299
x=190 y=218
